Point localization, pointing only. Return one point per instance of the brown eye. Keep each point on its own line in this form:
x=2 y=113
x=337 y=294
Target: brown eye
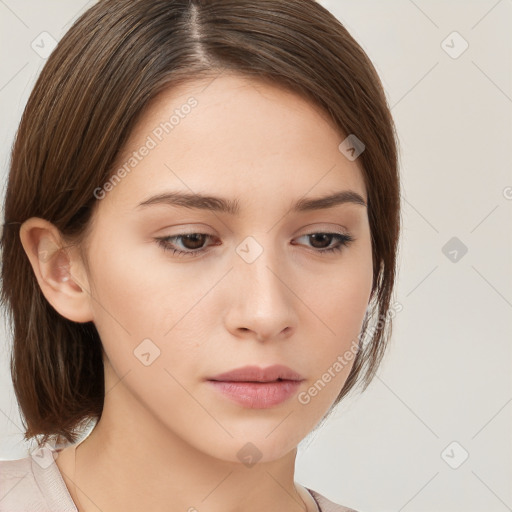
x=319 y=239
x=191 y=243
x=322 y=241
x=194 y=241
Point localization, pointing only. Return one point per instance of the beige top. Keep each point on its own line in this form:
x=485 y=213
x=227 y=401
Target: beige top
x=35 y=484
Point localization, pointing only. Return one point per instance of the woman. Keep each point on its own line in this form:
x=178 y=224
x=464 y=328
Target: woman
x=199 y=248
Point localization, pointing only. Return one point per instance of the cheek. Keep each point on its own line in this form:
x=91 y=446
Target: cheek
x=349 y=301
x=340 y=301
x=340 y=295
x=140 y=291
x=142 y=305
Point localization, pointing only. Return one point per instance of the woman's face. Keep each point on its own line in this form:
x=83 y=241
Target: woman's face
x=252 y=287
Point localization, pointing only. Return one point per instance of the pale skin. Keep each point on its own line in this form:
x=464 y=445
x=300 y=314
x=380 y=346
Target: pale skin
x=166 y=441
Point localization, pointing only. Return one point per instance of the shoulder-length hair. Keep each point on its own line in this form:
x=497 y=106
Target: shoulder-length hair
x=115 y=59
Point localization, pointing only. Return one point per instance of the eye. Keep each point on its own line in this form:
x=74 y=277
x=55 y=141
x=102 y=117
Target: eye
x=324 y=240
x=193 y=243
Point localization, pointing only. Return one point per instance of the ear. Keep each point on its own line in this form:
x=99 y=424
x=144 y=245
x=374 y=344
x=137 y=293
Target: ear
x=59 y=270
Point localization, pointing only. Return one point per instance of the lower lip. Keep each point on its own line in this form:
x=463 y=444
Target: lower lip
x=257 y=395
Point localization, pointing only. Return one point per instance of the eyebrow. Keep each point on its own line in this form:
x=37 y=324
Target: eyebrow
x=232 y=207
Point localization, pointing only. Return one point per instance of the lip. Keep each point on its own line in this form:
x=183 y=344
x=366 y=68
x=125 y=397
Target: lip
x=257 y=374
x=258 y=388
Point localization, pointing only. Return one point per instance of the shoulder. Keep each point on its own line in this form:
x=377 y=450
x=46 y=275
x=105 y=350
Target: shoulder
x=33 y=484
x=326 y=505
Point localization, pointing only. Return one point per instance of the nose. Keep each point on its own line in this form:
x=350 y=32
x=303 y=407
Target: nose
x=261 y=304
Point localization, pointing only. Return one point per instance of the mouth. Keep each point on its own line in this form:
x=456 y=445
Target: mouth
x=275 y=373
x=257 y=388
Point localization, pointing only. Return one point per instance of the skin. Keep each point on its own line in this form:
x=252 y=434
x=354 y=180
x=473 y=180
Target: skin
x=166 y=440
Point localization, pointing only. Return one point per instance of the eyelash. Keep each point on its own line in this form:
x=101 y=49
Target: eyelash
x=343 y=241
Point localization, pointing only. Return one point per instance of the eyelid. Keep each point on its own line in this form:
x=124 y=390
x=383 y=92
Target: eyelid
x=193 y=229
x=325 y=227
x=326 y=231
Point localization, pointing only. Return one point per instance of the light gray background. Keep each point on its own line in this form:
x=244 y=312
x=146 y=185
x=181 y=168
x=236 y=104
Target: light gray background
x=447 y=375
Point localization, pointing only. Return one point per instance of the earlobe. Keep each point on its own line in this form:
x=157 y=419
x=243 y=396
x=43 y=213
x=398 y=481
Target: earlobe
x=58 y=269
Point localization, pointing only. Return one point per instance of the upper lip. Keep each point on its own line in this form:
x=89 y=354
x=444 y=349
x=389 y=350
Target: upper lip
x=257 y=374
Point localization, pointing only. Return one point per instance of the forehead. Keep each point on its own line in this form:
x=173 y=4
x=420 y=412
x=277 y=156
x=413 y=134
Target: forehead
x=232 y=134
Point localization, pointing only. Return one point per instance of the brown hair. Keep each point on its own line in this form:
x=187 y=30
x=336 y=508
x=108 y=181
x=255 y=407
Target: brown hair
x=116 y=58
